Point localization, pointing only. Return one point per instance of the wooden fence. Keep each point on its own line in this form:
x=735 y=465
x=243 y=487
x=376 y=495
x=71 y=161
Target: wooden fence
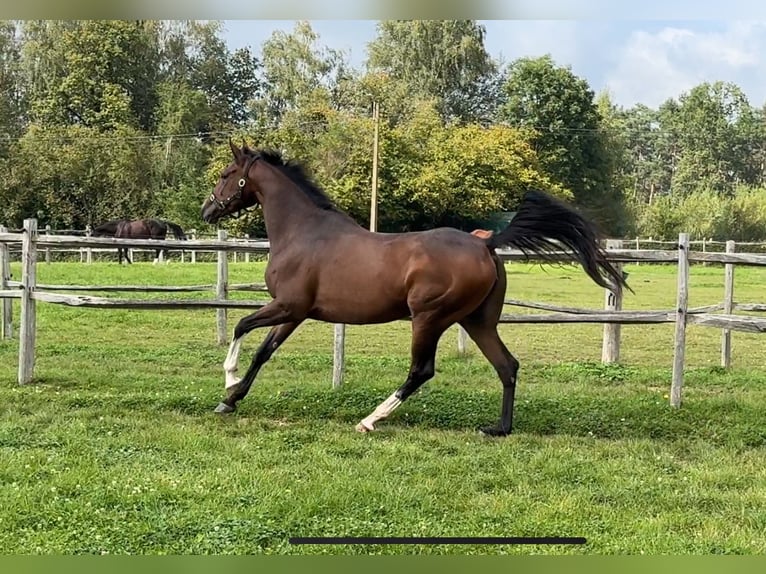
x=612 y=316
x=86 y=254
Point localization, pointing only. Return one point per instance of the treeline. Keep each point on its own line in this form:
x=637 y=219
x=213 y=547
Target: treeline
x=104 y=119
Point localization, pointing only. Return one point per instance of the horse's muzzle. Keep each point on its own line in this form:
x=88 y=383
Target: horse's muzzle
x=210 y=212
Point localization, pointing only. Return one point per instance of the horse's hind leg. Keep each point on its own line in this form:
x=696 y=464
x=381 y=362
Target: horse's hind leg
x=484 y=334
x=425 y=338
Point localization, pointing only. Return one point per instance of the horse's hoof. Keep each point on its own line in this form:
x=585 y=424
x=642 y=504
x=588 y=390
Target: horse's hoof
x=224 y=409
x=361 y=428
x=494 y=432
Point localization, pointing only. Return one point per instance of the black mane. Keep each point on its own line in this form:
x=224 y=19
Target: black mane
x=297 y=174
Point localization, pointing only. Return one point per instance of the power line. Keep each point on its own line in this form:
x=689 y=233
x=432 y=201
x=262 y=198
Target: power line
x=199 y=136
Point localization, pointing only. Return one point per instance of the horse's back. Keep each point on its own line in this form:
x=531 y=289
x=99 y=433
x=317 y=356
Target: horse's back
x=136 y=229
x=445 y=240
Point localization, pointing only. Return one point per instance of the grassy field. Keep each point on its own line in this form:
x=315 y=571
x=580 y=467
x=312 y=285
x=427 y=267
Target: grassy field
x=116 y=449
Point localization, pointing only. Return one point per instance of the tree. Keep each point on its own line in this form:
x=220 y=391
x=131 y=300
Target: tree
x=645 y=173
x=295 y=69
x=73 y=176
x=715 y=124
x=121 y=114
x=228 y=79
x=430 y=177
x=442 y=59
x=12 y=94
x=94 y=73
x=560 y=108
x=179 y=156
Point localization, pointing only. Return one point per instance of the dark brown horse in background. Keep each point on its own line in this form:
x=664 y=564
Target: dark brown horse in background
x=138 y=229
x=324 y=266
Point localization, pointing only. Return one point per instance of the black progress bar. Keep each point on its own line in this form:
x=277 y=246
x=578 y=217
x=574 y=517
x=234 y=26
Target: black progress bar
x=437 y=540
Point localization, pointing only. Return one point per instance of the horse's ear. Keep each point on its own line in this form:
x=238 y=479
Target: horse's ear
x=235 y=150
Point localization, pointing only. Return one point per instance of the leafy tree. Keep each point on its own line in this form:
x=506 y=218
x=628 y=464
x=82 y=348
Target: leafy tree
x=295 y=68
x=73 y=176
x=95 y=73
x=180 y=157
x=753 y=133
x=229 y=79
x=12 y=93
x=442 y=59
x=560 y=108
x=714 y=123
x=642 y=165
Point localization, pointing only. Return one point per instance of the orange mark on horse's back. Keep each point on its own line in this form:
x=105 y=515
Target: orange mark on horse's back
x=482 y=233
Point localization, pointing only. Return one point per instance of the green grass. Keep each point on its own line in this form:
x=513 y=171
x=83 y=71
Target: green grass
x=115 y=449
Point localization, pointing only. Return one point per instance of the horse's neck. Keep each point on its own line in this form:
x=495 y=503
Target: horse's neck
x=285 y=219
x=290 y=215
x=285 y=207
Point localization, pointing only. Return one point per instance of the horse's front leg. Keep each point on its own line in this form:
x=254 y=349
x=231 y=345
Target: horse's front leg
x=274 y=315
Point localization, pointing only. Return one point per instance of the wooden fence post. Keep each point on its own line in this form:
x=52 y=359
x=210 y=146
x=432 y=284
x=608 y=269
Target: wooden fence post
x=610 y=347
x=728 y=306
x=682 y=303
x=339 y=355
x=247 y=253
x=5 y=275
x=704 y=250
x=193 y=252
x=462 y=340
x=27 y=330
x=89 y=251
x=47 y=249
x=222 y=289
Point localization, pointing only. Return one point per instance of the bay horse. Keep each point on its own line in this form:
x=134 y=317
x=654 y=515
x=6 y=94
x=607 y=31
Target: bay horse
x=324 y=266
x=138 y=229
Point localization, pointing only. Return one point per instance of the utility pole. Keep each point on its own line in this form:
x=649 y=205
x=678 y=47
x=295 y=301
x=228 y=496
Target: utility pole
x=374 y=199
x=340 y=328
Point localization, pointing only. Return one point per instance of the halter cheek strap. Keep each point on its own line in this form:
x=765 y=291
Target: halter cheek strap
x=242 y=180
x=240 y=186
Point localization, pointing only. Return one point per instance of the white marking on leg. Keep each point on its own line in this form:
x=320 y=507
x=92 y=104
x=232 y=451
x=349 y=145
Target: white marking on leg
x=155 y=261
x=230 y=364
x=383 y=410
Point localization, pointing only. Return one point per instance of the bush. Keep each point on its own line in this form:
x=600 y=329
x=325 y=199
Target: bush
x=708 y=215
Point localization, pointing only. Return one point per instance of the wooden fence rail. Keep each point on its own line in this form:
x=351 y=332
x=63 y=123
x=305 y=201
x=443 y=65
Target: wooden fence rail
x=612 y=316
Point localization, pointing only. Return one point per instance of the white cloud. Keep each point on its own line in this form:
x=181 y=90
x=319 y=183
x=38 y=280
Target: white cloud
x=637 y=61
x=652 y=67
x=512 y=39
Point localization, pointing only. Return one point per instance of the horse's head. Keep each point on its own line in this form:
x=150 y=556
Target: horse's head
x=235 y=190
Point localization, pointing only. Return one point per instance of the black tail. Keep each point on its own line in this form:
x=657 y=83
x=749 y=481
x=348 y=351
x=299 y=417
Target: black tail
x=543 y=225
x=176 y=229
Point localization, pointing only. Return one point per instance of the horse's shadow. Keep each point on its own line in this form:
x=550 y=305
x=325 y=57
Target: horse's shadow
x=716 y=418
x=646 y=417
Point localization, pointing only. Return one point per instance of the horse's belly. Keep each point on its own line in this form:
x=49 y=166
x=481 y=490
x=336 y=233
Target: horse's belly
x=360 y=305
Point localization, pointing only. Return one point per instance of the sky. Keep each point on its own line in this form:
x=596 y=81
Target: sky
x=637 y=61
